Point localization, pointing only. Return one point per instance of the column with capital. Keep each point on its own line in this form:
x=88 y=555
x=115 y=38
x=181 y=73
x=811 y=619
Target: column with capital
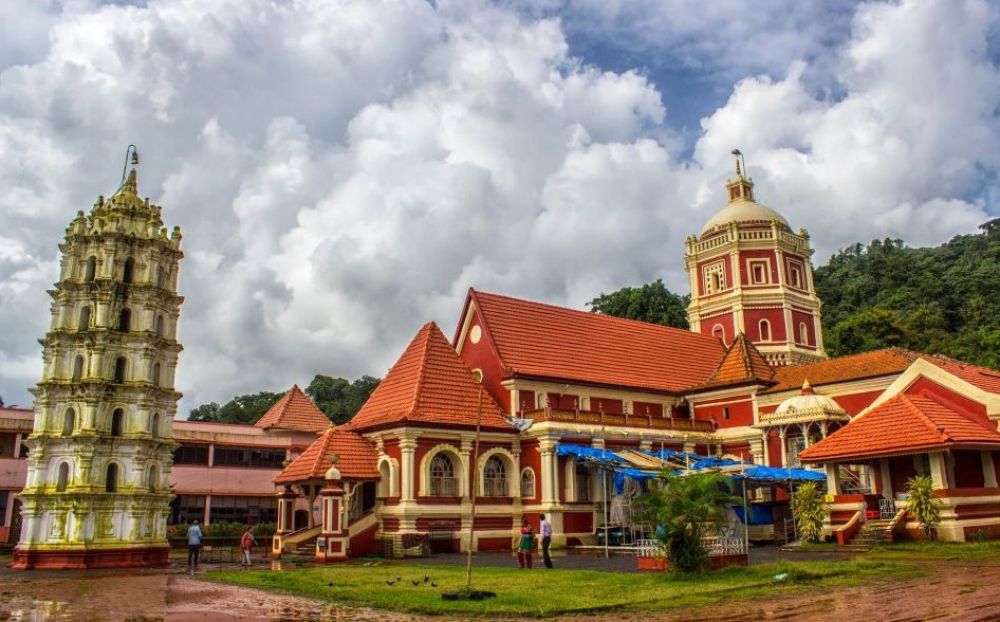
x=550 y=495
x=408 y=478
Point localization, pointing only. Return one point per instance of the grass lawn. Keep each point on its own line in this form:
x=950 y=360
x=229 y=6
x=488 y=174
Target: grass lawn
x=938 y=551
x=547 y=593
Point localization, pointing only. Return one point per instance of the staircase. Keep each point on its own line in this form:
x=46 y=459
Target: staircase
x=872 y=532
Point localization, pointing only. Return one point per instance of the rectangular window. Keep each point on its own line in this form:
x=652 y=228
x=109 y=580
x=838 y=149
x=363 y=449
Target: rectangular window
x=246 y=510
x=582 y=483
x=7 y=442
x=187 y=508
x=4 y=495
x=249 y=457
x=725 y=413
x=715 y=278
x=758 y=272
x=191 y=454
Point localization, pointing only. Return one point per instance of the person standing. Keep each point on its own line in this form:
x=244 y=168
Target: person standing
x=246 y=543
x=194 y=545
x=525 y=545
x=546 y=531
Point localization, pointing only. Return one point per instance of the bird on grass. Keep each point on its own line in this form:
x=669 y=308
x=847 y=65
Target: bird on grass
x=426 y=578
x=415 y=581
x=433 y=584
x=388 y=582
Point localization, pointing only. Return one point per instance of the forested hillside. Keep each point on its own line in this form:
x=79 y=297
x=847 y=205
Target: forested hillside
x=943 y=300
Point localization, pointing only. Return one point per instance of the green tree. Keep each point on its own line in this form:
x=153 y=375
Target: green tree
x=651 y=302
x=687 y=509
x=339 y=398
x=241 y=409
x=809 y=511
x=922 y=503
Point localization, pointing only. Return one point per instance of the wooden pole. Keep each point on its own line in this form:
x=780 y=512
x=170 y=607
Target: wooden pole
x=472 y=491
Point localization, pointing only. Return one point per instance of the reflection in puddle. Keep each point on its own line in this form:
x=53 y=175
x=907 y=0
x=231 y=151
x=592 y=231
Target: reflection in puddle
x=35 y=611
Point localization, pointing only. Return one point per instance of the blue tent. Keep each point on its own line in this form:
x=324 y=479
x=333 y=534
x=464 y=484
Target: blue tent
x=780 y=474
x=590 y=454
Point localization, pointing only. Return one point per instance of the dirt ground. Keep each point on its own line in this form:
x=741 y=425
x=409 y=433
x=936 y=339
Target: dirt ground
x=954 y=592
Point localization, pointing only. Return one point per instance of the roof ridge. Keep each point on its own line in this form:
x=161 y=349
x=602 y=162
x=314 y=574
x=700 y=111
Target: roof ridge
x=930 y=425
x=624 y=320
x=427 y=329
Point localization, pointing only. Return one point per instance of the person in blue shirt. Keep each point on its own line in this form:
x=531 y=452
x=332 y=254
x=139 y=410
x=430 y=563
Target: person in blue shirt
x=194 y=545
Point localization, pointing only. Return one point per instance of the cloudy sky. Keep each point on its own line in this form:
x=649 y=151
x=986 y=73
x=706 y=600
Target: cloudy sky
x=344 y=170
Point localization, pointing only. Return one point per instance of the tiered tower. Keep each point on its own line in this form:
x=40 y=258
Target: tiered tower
x=97 y=491
x=751 y=273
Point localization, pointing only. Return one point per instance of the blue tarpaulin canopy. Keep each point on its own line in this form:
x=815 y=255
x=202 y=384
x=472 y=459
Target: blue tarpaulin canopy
x=779 y=474
x=713 y=463
x=673 y=454
x=590 y=454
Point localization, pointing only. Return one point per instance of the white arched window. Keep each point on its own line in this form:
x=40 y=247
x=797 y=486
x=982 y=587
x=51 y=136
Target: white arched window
x=494 y=478
x=384 y=483
x=155 y=375
x=803 y=333
x=77 y=368
x=719 y=332
x=128 y=270
x=62 y=480
x=117 y=422
x=154 y=426
x=765 y=330
x=69 y=422
x=151 y=476
x=91 y=271
x=443 y=482
x=120 y=370
x=111 y=478
x=527 y=484
x=159 y=326
x=85 y=318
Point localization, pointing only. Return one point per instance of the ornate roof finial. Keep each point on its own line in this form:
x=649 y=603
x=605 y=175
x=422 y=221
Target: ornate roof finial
x=740 y=188
x=129 y=183
x=806 y=387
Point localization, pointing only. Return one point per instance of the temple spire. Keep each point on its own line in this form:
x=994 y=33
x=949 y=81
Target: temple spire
x=740 y=188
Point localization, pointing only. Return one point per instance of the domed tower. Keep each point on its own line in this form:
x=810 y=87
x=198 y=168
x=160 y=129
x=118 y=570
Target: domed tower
x=97 y=492
x=751 y=273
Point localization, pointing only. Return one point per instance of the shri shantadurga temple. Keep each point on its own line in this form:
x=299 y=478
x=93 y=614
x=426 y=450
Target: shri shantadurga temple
x=524 y=408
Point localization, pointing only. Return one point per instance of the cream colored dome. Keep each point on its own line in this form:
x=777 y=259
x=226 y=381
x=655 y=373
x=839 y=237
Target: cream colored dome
x=809 y=403
x=744 y=211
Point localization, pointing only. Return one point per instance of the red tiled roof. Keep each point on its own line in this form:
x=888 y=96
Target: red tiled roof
x=294 y=411
x=981 y=377
x=844 y=368
x=741 y=364
x=356 y=458
x=429 y=384
x=905 y=424
x=544 y=341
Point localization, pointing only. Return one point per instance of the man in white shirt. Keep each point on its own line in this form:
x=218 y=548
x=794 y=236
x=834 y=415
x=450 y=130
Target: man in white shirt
x=546 y=530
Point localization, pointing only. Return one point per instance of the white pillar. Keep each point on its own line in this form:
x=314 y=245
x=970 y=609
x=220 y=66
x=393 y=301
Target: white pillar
x=832 y=478
x=550 y=479
x=939 y=470
x=408 y=447
x=989 y=469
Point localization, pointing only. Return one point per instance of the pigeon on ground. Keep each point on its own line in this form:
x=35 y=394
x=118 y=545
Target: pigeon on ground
x=433 y=584
x=387 y=582
x=415 y=582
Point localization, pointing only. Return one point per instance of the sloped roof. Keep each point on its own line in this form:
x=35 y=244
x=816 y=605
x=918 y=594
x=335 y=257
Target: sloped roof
x=904 y=424
x=844 y=368
x=294 y=411
x=981 y=377
x=540 y=340
x=356 y=458
x=741 y=364
x=429 y=384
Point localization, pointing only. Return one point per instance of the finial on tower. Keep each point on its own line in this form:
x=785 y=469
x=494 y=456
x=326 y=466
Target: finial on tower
x=740 y=188
x=129 y=182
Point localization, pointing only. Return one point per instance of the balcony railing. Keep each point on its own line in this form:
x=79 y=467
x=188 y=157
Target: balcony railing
x=633 y=421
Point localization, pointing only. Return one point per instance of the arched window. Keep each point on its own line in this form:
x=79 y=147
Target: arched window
x=719 y=332
x=151 y=476
x=443 y=482
x=765 y=330
x=120 y=370
x=803 y=333
x=128 y=270
x=69 y=422
x=155 y=375
x=62 y=480
x=91 y=272
x=111 y=478
x=159 y=326
x=154 y=425
x=117 y=422
x=161 y=277
x=77 y=368
x=527 y=484
x=494 y=478
x=85 y=318
x=124 y=320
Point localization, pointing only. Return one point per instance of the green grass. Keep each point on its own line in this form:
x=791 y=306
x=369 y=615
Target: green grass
x=938 y=551
x=544 y=593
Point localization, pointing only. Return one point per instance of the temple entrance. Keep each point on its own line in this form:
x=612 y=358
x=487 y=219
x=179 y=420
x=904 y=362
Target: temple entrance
x=301 y=520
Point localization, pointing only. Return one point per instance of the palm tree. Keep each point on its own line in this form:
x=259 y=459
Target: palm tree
x=686 y=510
